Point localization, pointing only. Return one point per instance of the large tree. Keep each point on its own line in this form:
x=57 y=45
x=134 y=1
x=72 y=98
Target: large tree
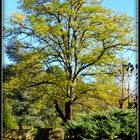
x=56 y=44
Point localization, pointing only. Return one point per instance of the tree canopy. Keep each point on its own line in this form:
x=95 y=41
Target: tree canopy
x=57 y=45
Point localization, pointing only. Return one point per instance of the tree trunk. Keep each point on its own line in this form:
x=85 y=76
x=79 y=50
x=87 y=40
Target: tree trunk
x=121 y=104
x=20 y=126
x=130 y=104
x=68 y=110
x=68 y=104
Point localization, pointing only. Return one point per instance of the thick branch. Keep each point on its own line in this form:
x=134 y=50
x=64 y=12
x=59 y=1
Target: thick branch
x=90 y=64
x=59 y=111
x=124 y=99
x=81 y=93
x=39 y=83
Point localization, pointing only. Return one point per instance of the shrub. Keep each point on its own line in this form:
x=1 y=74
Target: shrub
x=110 y=124
x=49 y=134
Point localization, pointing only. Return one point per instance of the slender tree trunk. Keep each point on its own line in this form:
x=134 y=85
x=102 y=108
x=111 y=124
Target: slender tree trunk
x=129 y=103
x=121 y=101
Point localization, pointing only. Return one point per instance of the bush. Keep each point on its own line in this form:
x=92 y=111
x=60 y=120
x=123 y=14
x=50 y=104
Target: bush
x=9 y=121
x=49 y=134
x=120 y=124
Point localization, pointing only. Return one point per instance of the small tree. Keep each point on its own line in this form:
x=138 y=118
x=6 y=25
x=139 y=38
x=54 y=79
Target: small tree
x=125 y=72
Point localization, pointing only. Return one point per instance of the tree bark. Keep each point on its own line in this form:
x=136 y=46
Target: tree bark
x=121 y=104
x=68 y=110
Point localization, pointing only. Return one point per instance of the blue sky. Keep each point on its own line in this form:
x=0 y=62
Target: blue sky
x=127 y=6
